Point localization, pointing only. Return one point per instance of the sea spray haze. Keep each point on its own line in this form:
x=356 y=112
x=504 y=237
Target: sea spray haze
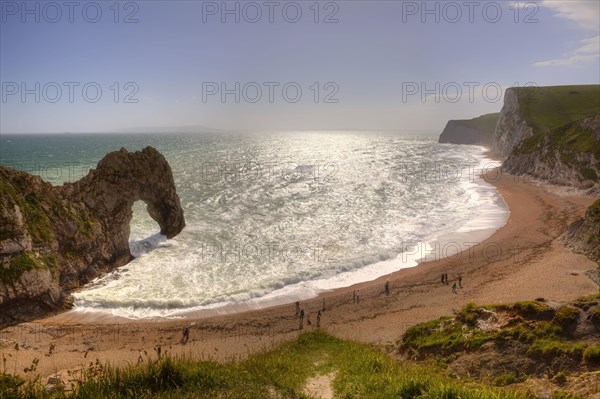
x=272 y=215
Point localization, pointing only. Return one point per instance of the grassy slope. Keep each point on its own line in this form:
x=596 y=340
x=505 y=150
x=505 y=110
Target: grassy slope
x=445 y=336
x=542 y=331
x=552 y=111
x=361 y=371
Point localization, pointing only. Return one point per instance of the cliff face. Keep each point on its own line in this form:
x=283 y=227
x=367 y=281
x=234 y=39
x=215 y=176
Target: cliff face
x=551 y=133
x=583 y=236
x=472 y=131
x=511 y=129
x=55 y=239
x=559 y=164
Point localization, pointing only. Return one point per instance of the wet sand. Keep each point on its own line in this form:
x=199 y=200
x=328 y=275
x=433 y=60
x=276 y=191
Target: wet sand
x=521 y=261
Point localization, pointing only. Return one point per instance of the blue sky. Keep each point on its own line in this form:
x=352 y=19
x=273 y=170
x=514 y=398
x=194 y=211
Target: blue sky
x=383 y=65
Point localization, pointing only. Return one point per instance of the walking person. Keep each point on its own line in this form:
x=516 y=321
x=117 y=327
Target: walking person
x=357 y=297
x=297 y=308
x=454 y=288
x=301 y=318
x=387 y=288
x=186 y=336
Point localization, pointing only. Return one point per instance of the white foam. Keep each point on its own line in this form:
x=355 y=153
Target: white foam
x=170 y=278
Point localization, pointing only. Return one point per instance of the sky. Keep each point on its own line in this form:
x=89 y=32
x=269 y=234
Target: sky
x=107 y=66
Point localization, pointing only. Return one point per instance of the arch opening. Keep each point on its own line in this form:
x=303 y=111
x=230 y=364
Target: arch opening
x=144 y=232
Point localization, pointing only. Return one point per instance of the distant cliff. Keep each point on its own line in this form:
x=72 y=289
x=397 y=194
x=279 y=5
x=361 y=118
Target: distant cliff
x=470 y=131
x=551 y=133
x=53 y=239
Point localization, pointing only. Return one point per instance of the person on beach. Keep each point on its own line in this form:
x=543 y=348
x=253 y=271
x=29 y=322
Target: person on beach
x=297 y=308
x=460 y=281
x=319 y=319
x=301 y=319
x=357 y=296
x=354 y=296
x=387 y=288
x=454 y=287
x=186 y=336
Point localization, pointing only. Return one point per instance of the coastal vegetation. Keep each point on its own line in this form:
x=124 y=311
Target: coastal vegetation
x=352 y=370
x=509 y=343
x=561 y=128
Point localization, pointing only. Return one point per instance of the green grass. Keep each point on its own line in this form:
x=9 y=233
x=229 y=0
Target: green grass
x=361 y=371
x=555 y=113
x=547 y=108
x=553 y=348
x=566 y=316
x=38 y=224
x=592 y=297
x=564 y=395
x=591 y=354
x=544 y=332
x=508 y=379
x=529 y=309
x=18 y=265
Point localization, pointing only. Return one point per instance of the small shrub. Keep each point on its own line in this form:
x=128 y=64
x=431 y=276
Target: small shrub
x=591 y=354
x=508 y=378
x=563 y=395
x=566 y=317
x=531 y=309
x=468 y=314
x=555 y=348
x=10 y=386
x=560 y=378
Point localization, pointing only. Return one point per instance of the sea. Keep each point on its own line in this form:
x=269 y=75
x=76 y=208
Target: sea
x=277 y=216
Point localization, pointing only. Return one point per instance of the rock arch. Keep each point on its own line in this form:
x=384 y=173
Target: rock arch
x=55 y=238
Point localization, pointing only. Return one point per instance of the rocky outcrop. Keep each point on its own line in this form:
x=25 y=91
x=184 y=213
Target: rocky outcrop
x=470 y=131
x=53 y=239
x=583 y=236
x=551 y=160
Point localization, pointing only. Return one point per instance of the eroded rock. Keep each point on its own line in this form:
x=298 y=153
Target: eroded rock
x=53 y=239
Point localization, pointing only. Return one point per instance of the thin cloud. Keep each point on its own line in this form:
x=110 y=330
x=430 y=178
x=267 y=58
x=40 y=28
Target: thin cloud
x=589 y=51
x=583 y=12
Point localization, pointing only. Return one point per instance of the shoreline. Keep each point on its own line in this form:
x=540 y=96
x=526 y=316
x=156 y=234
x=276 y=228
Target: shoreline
x=532 y=264
x=494 y=214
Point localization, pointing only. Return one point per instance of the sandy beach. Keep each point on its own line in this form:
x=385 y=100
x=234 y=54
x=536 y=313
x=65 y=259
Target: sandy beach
x=521 y=261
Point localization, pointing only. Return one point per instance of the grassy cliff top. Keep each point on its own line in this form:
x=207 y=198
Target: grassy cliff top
x=547 y=108
x=555 y=114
